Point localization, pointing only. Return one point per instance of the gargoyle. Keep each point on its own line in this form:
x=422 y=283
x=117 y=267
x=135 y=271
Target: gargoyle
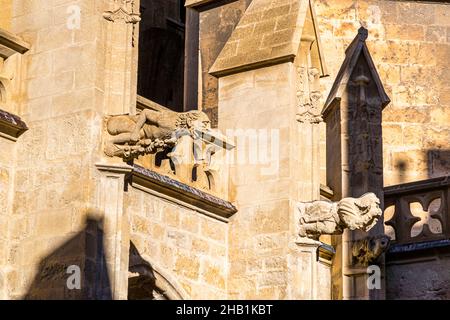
x=324 y=217
x=151 y=130
x=368 y=250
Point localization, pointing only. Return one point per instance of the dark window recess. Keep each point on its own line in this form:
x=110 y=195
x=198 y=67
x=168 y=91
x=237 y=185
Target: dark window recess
x=161 y=52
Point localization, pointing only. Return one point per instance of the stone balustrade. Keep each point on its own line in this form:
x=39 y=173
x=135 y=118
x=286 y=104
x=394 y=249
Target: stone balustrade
x=418 y=212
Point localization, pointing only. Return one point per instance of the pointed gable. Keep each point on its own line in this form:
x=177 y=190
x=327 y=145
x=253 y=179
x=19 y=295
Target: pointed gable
x=269 y=33
x=357 y=49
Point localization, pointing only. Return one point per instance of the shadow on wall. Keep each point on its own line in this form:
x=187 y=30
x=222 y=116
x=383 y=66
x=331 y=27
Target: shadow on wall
x=142 y=280
x=417 y=166
x=82 y=260
x=438 y=162
x=402 y=170
x=146 y=282
x=84 y=256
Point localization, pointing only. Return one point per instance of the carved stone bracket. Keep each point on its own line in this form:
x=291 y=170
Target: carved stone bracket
x=175 y=144
x=155 y=130
x=124 y=11
x=11 y=126
x=367 y=251
x=324 y=217
x=11 y=44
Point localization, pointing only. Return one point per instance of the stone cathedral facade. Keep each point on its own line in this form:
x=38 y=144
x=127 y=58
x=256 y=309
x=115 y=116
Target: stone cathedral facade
x=235 y=149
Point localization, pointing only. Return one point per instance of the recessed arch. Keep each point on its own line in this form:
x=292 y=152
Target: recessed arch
x=148 y=281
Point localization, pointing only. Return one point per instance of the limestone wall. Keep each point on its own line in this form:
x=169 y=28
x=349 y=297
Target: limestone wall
x=260 y=232
x=187 y=245
x=419 y=276
x=59 y=95
x=216 y=26
x=5 y=14
x=49 y=184
x=7 y=154
x=410 y=45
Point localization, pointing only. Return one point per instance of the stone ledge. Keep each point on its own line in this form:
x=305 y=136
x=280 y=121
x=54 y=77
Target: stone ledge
x=195 y=3
x=420 y=246
x=182 y=192
x=417 y=186
x=11 y=126
x=326 y=192
x=326 y=252
x=11 y=44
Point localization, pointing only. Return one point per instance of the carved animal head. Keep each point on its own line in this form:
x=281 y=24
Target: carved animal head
x=367 y=251
x=359 y=213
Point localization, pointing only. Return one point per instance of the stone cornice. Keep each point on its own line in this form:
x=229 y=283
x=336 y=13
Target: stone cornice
x=417 y=186
x=194 y=3
x=181 y=192
x=11 y=126
x=11 y=44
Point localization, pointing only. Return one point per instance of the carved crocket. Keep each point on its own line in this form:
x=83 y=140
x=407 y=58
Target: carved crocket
x=324 y=217
x=150 y=130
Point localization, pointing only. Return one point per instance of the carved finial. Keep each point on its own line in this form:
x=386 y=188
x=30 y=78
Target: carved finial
x=363 y=34
x=324 y=217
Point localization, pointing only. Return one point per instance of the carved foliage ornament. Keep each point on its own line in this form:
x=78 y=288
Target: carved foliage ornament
x=124 y=10
x=324 y=217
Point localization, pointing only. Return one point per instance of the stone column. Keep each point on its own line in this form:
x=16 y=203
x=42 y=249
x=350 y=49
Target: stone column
x=116 y=240
x=309 y=118
x=120 y=83
x=121 y=57
x=307 y=271
x=310 y=274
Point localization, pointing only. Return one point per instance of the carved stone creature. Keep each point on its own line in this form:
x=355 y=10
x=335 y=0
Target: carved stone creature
x=151 y=130
x=324 y=217
x=368 y=250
